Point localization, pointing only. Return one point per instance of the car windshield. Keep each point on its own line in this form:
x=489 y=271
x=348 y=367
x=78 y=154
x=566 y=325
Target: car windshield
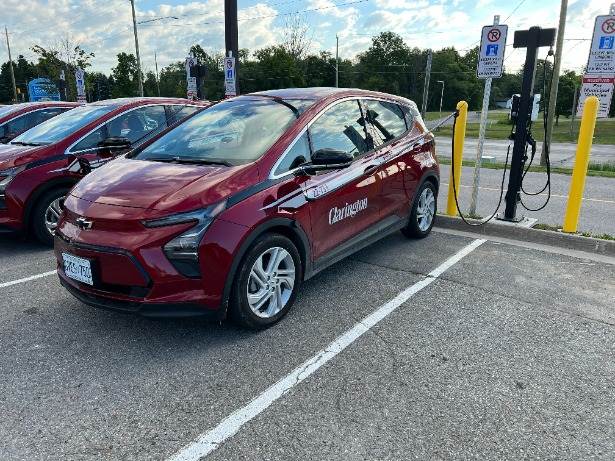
x=233 y=132
x=59 y=127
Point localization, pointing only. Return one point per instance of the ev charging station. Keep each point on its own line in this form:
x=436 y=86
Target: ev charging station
x=531 y=39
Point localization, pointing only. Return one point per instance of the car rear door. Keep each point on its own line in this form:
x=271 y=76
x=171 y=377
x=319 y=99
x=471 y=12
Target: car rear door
x=394 y=141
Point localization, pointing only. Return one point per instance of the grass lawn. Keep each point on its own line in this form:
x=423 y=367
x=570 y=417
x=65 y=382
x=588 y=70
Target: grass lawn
x=499 y=128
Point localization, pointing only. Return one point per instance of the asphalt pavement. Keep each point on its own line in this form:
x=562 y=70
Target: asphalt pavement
x=506 y=351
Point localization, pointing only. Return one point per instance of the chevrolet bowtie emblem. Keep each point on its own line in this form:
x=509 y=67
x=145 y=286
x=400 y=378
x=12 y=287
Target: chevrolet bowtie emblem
x=84 y=224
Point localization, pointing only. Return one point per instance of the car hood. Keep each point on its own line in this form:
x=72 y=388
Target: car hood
x=167 y=187
x=14 y=155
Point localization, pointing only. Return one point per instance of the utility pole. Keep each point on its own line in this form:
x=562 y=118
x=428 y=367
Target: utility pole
x=157 y=82
x=134 y=25
x=554 y=81
x=231 y=36
x=574 y=108
x=337 y=62
x=11 y=65
x=426 y=88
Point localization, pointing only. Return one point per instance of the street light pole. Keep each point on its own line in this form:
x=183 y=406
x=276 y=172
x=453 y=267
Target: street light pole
x=11 y=65
x=134 y=24
x=157 y=81
x=441 y=96
x=337 y=61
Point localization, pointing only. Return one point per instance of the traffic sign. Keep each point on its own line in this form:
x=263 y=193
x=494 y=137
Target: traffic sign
x=602 y=51
x=600 y=86
x=229 y=77
x=491 y=55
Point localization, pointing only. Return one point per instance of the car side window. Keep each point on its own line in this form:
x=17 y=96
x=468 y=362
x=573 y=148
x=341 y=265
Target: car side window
x=137 y=124
x=299 y=153
x=91 y=141
x=387 y=121
x=175 y=113
x=341 y=127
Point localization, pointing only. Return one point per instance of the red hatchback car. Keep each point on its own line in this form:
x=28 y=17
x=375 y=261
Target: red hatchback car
x=21 y=117
x=232 y=209
x=38 y=167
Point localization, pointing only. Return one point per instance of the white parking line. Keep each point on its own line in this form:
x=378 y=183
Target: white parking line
x=27 y=279
x=208 y=442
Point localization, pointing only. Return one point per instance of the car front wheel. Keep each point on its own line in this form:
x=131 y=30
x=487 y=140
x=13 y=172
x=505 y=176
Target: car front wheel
x=46 y=215
x=423 y=212
x=266 y=283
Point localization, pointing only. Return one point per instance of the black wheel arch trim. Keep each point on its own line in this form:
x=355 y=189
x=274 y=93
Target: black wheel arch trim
x=294 y=229
x=56 y=183
x=427 y=176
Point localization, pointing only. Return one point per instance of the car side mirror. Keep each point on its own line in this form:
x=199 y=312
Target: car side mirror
x=115 y=143
x=328 y=159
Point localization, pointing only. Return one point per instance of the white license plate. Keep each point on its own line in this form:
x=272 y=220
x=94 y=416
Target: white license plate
x=77 y=268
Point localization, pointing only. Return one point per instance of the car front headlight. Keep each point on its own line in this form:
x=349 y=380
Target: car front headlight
x=6 y=177
x=183 y=250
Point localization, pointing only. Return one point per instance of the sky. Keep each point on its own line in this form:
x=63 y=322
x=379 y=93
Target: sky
x=104 y=27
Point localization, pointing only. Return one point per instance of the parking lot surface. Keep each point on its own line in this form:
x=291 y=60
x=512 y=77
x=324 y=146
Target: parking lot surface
x=508 y=353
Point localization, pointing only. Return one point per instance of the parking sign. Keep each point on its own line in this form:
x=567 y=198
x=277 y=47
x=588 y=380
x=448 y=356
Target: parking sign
x=492 y=47
x=602 y=51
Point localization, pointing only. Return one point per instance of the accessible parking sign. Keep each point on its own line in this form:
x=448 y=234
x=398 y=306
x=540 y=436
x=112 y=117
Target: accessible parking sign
x=602 y=51
x=492 y=47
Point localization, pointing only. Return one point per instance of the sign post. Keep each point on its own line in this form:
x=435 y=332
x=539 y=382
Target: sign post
x=490 y=63
x=191 y=62
x=229 y=77
x=80 y=81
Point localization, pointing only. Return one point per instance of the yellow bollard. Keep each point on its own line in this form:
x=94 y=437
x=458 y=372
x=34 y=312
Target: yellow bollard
x=459 y=139
x=581 y=162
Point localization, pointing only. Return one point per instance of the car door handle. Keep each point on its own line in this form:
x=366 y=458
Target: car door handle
x=370 y=170
x=417 y=147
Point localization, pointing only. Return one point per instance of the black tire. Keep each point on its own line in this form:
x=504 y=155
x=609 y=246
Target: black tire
x=280 y=267
x=46 y=214
x=423 y=212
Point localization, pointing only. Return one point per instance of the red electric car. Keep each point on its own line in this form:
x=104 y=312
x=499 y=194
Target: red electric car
x=38 y=167
x=21 y=117
x=232 y=209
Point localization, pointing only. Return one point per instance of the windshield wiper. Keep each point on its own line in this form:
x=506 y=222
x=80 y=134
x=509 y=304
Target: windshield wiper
x=25 y=143
x=196 y=161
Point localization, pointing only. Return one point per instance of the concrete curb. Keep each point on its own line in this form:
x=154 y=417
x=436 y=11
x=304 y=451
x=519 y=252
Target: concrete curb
x=551 y=238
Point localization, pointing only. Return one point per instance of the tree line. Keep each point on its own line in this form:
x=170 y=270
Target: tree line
x=388 y=65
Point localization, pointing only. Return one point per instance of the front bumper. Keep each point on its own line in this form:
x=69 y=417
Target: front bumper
x=144 y=309
x=124 y=282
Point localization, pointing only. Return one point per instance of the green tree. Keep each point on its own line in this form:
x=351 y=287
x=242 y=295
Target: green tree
x=565 y=94
x=125 y=76
x=277 y=69
x=172 y=80
x=24 y=72
x=63 y=55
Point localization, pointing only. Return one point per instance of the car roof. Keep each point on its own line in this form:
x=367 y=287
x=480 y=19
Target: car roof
x=322 y=93
x=145 y=100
